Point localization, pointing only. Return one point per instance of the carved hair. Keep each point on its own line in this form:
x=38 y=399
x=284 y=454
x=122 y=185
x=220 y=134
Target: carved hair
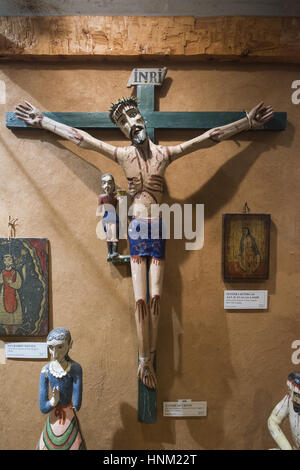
x=59 y=334
x=117 y=107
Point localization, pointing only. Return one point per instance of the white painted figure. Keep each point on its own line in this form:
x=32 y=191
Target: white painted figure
x=144 y=164
x=288 y=407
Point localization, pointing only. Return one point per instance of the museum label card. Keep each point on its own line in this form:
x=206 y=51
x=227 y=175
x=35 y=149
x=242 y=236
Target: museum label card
x=185 y=408
x=26 y=350
x=245 y=299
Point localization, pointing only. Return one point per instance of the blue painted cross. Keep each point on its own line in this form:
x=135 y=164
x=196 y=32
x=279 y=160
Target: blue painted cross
x=154 y=120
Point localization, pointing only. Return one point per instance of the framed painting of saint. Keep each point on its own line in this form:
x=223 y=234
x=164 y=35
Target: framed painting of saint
x=23 y=286
x=246 y=246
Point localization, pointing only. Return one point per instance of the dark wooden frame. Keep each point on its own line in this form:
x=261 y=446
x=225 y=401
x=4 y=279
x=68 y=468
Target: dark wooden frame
x=228 y=266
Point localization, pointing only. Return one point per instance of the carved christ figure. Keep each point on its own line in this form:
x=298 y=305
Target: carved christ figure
x=288 y=407
x=144 y=164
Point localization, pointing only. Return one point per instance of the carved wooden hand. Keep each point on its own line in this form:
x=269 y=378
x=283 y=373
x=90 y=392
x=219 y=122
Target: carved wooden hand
x=29 y=113
x=260 y=115
x=55 y=397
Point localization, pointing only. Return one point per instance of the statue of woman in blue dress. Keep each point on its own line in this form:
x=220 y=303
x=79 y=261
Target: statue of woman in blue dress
x=64 y=377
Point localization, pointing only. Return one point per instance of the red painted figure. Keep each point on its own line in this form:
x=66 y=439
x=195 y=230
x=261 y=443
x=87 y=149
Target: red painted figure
x=10 y=305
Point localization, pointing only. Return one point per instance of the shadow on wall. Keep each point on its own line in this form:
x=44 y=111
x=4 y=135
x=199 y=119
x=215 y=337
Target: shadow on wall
x=208 y=432
x=60 y=226
x=135 y=435
x=262 y=407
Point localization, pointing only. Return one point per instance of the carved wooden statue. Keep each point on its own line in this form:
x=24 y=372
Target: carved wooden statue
x=288 y=407
x=64 y=377
x=107 y=209
x=144 y=164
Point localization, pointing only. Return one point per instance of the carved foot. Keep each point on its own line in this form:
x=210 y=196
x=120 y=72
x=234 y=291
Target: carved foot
x=112 y=251
x=146 y=372
x=115 y=253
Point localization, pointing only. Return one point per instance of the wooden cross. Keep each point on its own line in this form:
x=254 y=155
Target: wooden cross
x=154 y=120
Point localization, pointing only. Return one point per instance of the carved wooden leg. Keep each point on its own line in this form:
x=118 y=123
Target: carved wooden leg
x=142 y=316
x=156 y=274
x=139 y=280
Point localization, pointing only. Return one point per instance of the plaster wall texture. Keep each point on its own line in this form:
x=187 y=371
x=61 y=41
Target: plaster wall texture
x=236 y=361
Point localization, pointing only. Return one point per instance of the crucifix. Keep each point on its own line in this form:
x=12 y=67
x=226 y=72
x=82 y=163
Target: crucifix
x=144 y=164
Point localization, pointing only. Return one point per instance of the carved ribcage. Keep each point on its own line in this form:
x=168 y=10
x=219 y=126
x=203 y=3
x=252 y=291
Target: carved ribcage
x=150 y=183
x=135 y=184
x=154 y=183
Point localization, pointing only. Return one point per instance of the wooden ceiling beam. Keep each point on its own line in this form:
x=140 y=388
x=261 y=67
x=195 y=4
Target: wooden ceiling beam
x=245 y=39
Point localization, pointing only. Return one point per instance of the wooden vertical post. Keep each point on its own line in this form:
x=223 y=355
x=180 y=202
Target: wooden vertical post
x=146 y=396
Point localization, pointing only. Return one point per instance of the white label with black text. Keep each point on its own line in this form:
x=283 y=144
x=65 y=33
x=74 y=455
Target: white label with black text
x=26 y=350
x=245 y=299
x=182 y=408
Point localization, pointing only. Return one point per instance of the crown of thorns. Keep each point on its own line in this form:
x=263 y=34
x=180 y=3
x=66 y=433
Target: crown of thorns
x=293 y=381
x=116 y=108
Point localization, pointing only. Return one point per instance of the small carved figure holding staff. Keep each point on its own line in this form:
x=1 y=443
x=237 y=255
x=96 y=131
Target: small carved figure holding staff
x=64 y=376
x=144 y=164
x=107 y=209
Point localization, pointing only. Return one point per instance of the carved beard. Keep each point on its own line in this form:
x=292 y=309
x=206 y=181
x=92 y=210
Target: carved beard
x=296 y=407
x=139 y=137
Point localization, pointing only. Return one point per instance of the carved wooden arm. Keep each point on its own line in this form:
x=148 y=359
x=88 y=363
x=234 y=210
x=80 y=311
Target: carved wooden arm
x=258 y=116
x=33 y=116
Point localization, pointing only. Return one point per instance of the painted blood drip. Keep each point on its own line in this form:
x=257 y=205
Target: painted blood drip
x=155 y=305
x=136 y=259
x=157 y=261
x=142 y=309
x=76 y=136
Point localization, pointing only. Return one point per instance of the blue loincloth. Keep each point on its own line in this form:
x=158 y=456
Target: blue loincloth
x=146 y=238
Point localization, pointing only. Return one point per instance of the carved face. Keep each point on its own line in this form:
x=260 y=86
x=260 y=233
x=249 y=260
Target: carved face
x=132 y=124
x=58 y=349
x=296 y=401
x=8 y=261
x=108 y=184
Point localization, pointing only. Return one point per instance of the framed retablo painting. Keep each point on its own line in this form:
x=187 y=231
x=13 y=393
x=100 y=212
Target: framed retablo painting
x=246 y=246
x=23 y=286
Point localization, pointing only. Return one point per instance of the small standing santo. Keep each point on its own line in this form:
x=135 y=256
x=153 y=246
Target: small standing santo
x=289 y=407
x=64 y=376
x=107 y=206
